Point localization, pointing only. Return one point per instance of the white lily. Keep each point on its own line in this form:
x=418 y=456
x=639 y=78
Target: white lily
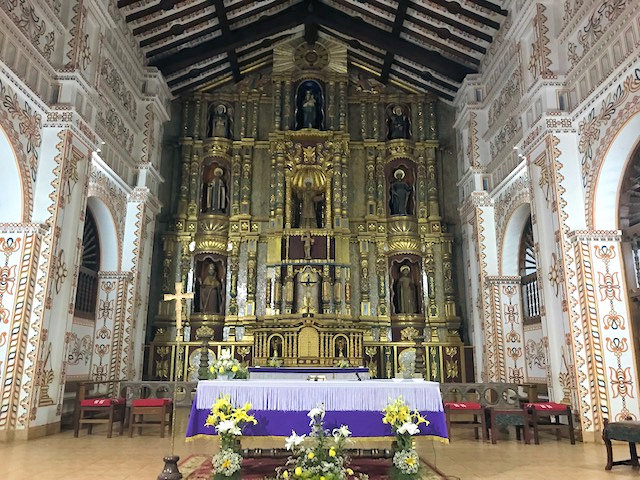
x=228 y=426
x=293 y=441
x=315 y=414
x=225 y=354
x=408 y=427
x=343 y=432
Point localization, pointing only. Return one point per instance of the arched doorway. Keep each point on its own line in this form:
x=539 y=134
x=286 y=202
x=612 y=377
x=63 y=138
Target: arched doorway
x=12 y=208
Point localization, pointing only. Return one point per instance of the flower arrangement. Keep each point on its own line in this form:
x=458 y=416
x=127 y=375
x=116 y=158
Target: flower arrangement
x=226 y=367
x=228 y=421
x=319 y=456
x=343 y=363
x=405 y=424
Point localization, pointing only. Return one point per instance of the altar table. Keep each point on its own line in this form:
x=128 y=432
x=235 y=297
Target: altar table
x=281 y=406
x=303 y=373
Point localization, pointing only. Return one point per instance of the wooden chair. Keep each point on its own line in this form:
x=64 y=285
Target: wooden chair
x=547 y=415
x=104 y=409
x=158 y=407
x=518 y=418
x=625 y=431
x=474 y=409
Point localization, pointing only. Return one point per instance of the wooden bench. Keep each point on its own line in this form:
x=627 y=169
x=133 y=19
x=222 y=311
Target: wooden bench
x=625 y=431
x=471 y=401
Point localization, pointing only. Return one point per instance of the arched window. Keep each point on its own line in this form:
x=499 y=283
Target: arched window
x=88 y=275
x=528 y=267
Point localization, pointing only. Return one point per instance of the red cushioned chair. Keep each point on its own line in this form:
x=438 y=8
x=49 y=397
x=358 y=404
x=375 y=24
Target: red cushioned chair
x=97 y=408
x=547 y=414
x=158 y=407
x=468 y=409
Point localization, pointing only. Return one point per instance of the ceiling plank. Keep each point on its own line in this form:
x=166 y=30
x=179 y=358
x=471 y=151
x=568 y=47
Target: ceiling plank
x=264 y=27
x=356 y=27
x=457 y=9
x=161 y=22
x=179 y=29
x=491 y=6
x=224 y=24
x=397 y=28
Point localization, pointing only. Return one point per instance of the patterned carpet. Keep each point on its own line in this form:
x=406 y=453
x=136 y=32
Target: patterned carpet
x=198 y=467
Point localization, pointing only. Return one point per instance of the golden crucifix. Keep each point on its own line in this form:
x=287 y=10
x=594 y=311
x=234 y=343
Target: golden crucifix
x=178 y=297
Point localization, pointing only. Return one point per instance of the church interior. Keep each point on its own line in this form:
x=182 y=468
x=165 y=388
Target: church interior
x=319 y=206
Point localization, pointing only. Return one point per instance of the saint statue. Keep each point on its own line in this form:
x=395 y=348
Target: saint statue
x=211 y=291
x=216 y=193
x=218 y=125
x=400 y=192
x=405 y=291
x=307 y=243
x=398 y=123
x=309 y=110
x=309 y=206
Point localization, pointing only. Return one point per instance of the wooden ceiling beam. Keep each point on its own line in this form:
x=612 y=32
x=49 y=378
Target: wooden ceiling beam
x=264 y=27
x=457 y=9
x=401 y=13
x=491 y=6
x=162 y=5
x=226 y=33
x=161 y=22
x=356 y=27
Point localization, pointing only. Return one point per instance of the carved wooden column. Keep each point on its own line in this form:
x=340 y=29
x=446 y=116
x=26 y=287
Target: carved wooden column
x=382 y=272
x=432 y=186
x=375 y=114
x=345 y=187
x=194 y=191
x=234 y=262
x=254 y=116
x=288 y=200
x=363 y=120
x=419 y=124
x=431 y=308
x=197 y=115
x=243 y=117
x=432 y=121
x=288 y=290
x=236 y=175
x=421 y=184
x=370 y=168
x=326 y=290
x=252 y=252
x=453 y=321
x=185 y=117
x=272 y=184
x=365 y=305
x=337 y=185
x=277 y=104
x=245 y=202
x=183 y=197
x=331 y=105
x=382 y=186
x=287 y=105
x=342 y=111
x=280 y=187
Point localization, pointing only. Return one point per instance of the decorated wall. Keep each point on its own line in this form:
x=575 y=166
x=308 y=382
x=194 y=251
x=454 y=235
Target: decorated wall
x=79 y=117
x=542 y=135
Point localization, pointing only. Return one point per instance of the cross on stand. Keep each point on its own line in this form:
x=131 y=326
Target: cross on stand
x=170 y=471
x=178 y=297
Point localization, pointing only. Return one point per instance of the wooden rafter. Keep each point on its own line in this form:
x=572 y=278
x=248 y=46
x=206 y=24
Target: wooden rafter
x=397 y=28
x=226 y=33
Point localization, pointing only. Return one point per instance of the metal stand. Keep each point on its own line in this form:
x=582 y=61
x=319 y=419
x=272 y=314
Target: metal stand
x=170 y=470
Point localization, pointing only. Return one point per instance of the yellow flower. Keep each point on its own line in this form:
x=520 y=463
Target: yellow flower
x=298 y=471
x=211 y=369
x=332 y=452
x=234 y=369
x=226 y=463
x=310 y=455
x=322 y=478
x=410 y=461
x=349 y=471
x=221 y=370
x=285 y=474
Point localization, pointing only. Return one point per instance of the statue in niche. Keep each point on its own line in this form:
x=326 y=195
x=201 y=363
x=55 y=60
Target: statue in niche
x=211 y=291
x=398 y=123
x=309 y=110
x=400 y=192
x=309 y=206
x=307 y=243
x=405 y=292
x=216 y=193
x=309 y=105
x=307 y=291
x=218 y=122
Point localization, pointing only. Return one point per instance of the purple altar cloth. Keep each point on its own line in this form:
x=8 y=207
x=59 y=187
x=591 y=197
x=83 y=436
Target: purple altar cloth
x=280 y=423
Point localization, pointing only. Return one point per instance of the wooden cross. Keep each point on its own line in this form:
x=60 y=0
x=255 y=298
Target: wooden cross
x=178 y=297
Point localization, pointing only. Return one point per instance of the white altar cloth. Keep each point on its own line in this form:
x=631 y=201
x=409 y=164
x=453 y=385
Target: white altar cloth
x=303 y=373
x=335 y=395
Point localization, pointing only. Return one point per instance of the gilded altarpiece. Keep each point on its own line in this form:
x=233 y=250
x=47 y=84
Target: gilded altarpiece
x=307 y=222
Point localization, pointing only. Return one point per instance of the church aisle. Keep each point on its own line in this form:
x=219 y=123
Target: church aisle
x=95 y=457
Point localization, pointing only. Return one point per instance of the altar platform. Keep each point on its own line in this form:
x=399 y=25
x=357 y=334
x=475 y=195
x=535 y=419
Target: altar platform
x=304 y=373
x=282 y=405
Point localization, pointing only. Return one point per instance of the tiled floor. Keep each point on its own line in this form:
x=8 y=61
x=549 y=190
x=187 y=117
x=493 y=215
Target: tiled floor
x=122 y=458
